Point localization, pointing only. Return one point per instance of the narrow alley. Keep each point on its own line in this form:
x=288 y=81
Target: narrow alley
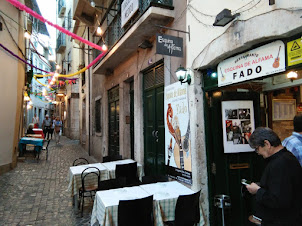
x=35 y=193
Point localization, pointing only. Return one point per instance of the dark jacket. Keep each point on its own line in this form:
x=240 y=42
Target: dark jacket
x=280 y=197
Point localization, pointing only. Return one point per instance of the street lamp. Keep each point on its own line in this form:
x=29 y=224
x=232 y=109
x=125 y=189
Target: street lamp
x=183 y=75
x=224 y=17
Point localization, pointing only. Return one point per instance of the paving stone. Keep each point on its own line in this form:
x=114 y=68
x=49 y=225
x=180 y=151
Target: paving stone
x=34 y=193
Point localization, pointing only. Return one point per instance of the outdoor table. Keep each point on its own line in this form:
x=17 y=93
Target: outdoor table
x=111 y=167
x=105 y=206
x=165 y=196
x=38 y=131
x=37 y=142
x=74 y=176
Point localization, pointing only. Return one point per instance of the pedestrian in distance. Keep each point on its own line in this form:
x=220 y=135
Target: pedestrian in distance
x=36 y=121
x=294 y=142
x=279 y=193
x=46 y=126
x=52 y=127
x=58 y=129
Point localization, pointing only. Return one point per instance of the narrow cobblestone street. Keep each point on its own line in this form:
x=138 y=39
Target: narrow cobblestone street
x=34 y=193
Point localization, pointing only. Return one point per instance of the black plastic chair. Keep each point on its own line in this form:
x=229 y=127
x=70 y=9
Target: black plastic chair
x=90 y=178
x=187 y=212
x=129 y=171
x=45 y=147
x=136 y=212
x=154 y=179
x=112 y=158
x=112 y=183
x=80 y=161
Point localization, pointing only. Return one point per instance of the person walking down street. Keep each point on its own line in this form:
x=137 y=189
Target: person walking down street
x=294 y=142
x=278 y=196
x=46 y=126
x=36 y=121
x=52 y=127
x=58 y=127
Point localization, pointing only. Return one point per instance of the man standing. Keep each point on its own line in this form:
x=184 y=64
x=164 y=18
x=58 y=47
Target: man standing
x=278 y=196
x=294 y=142
x=46 y=126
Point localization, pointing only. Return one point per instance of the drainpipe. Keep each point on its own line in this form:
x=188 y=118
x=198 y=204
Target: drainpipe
x=89 y=105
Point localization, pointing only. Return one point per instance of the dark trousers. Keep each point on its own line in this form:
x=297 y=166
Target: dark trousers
x=46 y=131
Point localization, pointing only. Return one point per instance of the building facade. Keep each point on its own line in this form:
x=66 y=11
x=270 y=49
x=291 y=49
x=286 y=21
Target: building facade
x=238 y=82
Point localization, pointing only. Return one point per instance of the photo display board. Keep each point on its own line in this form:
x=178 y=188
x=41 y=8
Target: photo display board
x=238 y=123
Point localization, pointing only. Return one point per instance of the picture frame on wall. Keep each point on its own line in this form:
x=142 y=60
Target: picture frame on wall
x=238 y=124
x=283 y=109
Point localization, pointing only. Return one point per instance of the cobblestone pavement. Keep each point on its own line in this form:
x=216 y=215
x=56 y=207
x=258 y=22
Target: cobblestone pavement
x=34 y=193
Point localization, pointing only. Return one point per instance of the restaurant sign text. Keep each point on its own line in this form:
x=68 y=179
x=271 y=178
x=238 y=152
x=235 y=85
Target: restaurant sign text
x=169 y=45
x=256 y=63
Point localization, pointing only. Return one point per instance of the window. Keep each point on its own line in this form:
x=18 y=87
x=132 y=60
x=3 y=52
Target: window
x=98 y=116
x=69 y=61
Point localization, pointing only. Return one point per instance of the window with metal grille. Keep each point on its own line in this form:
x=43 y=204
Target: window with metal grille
x=69 y=20
x=98 y=127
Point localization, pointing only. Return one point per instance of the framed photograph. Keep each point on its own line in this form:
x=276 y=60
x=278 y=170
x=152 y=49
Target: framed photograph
x=284 y=109
x=238 y=125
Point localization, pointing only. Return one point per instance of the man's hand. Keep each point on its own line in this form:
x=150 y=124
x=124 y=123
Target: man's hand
x=253 y=188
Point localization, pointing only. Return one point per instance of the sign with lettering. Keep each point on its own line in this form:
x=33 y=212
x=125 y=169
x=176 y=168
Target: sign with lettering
x=256 y=63
x=177 y=133
x=169 y=45
x=294 y=52
x=129 y=8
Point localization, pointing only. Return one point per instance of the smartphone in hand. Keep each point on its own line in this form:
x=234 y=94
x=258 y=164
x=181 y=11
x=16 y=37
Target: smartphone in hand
x=245 y=182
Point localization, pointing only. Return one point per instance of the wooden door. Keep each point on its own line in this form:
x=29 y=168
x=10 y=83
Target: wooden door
x=114 y=108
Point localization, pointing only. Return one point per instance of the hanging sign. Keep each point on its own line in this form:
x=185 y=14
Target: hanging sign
x=169 y=45
x=129 y=8
x=238 y=124
x=294 y=52
x=256 y=63
x=177 y=133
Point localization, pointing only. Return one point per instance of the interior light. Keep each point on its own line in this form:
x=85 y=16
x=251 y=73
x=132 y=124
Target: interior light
x=214 y=74
x=292 y=75
x=92 y=3
x=99 y=31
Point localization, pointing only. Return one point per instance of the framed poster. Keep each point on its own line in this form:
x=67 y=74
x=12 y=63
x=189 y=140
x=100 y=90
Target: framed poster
x=238 y=123
x=284 y=109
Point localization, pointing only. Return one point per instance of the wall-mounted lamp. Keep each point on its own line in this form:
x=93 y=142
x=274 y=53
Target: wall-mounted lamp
x=292 y=75
x=224 y=17
x=183 y=75
x=271 y=2
x=26 y=34
x=99 y=31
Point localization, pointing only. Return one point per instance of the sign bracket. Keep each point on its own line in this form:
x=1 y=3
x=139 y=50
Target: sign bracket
x=172 y=29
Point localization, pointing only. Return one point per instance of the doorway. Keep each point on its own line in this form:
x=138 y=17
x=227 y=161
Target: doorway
x=227 y=169
x=114 y=110
x=154 y=129
x=84 y=122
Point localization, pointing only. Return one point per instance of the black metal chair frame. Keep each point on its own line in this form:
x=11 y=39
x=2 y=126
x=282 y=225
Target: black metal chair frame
x=83 y=161
x=84 y=190
x=136 y=212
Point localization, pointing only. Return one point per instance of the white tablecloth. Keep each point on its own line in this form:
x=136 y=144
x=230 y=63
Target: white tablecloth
x=75 y=176
x=105 y=206
x=111 y=167
x=165 y=195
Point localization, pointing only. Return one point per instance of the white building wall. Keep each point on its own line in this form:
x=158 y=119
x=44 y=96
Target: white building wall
x=12 y=84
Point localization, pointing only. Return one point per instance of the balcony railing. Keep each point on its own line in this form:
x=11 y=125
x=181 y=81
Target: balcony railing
x=114 y=30
x=61 y=43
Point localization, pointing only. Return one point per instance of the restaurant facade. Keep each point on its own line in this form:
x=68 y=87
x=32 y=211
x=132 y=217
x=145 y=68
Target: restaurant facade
x=132 y=103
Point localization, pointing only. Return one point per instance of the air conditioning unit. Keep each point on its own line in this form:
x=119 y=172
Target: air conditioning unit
x=62 y=11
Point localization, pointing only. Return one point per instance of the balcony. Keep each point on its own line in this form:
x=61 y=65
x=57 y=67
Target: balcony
x=61 y=43
x=123 y=41
x=61 y=8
